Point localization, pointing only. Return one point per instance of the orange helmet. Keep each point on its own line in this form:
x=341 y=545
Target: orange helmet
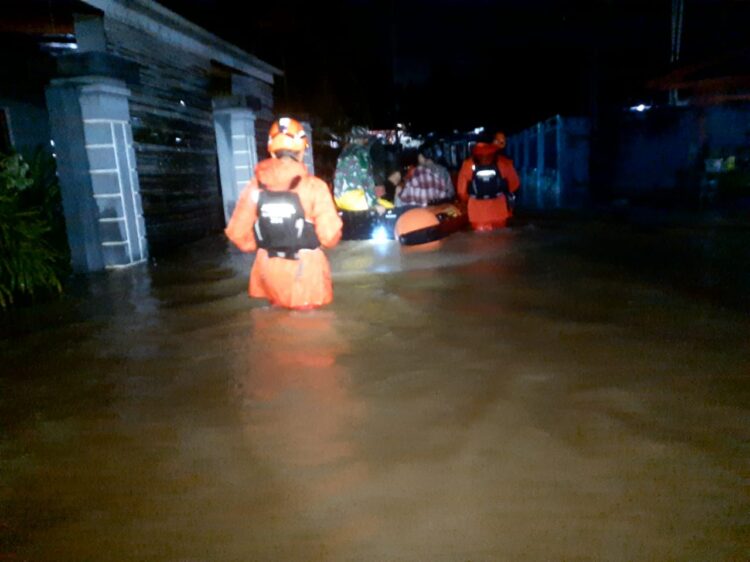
x=500 y=140
x=287 y=134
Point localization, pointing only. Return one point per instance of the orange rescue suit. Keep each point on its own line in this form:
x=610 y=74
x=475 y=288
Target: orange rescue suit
x=293 y=283
x=486 y=213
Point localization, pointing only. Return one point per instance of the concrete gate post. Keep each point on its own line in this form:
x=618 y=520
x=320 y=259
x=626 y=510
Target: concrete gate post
x=309 y=162
x=93 y=144
x=234 y=124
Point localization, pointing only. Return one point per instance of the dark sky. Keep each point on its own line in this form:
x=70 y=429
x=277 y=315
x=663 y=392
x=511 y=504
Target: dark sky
x=444 y=64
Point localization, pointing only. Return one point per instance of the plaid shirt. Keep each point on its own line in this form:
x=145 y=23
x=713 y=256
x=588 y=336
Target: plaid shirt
x=429 y=183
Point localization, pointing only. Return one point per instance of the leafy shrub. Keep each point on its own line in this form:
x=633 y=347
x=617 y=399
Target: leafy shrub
x=29 y=264
x=44 y=194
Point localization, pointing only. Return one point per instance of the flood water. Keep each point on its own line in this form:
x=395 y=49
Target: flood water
x=552 y=392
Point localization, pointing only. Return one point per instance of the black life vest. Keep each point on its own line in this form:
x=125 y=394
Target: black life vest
x=487 y=182
x=281 y=228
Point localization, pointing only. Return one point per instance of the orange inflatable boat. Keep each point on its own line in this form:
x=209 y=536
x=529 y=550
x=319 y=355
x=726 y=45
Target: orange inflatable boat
x=428 y=224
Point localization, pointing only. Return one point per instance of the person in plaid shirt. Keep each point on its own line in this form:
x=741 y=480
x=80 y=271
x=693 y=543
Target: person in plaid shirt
x=429 y=183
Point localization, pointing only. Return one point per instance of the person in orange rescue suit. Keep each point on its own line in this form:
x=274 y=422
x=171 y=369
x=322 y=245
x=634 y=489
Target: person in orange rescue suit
x=485 y=183
x=287 y=216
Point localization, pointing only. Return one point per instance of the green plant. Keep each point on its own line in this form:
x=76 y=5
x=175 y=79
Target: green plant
x=28 y=263
x=14 y=173
x=44 y=194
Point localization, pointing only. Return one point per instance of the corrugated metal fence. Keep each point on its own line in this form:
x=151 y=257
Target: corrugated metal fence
x=552 y=160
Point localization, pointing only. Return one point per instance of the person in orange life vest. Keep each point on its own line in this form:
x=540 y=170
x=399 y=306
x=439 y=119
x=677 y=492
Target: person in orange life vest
x=483 y=190
x=287 y=215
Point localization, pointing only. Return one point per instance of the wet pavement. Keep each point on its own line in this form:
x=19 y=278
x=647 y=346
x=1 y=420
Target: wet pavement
x=551 y=392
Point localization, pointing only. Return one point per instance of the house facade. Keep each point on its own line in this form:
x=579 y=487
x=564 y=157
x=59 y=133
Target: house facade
x=155 y=123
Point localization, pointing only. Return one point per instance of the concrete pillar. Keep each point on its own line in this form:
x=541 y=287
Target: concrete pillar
x=309 y=162
x=558 y=161
x=538 y=178
x=90 y=127
x=527 y=168
x=237 y=151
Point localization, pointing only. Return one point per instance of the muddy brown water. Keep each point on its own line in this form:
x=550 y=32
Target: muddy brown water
x=553 y=392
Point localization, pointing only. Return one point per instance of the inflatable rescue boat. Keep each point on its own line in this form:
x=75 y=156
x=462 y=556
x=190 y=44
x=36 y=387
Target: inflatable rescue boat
x=419 y=225
x=429 y=224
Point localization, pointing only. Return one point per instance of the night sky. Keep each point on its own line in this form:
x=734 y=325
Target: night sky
x=445 y=64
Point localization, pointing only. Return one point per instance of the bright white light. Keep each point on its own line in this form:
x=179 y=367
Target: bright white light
x=52 y=143
x=182 y=103
x=380 y=234
x=640 y=108
x=478 y=130
x=178 y=139
x=60 y=45
x=334 y=144
x=410 y=142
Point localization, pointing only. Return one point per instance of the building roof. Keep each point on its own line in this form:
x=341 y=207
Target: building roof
x=155 y=19
x=715 y=80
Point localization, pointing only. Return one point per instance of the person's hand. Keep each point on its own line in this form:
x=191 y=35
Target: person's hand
x=379 y=209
